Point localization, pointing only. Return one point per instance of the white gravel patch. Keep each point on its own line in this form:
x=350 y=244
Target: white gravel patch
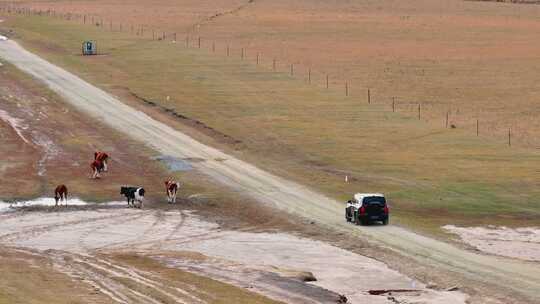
x=520 y=243
x=47 y=202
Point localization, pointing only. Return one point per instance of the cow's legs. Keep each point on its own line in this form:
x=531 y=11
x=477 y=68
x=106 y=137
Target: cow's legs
x=173 y=197
x=96 y=173
x=105 y=166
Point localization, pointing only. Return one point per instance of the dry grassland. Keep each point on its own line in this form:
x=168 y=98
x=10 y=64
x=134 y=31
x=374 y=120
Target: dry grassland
x=476 y=60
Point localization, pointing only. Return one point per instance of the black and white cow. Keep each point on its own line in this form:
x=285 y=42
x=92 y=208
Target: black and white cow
x=133 y=194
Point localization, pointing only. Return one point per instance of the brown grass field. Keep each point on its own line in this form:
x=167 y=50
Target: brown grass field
x=476 y=60
x=471 y=59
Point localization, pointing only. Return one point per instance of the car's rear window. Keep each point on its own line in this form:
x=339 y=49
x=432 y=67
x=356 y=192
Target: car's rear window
x=374 y=199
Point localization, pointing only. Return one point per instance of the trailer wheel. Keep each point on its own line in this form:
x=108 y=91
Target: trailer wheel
x=385 y=222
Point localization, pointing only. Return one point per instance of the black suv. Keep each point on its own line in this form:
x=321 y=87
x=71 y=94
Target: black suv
x=366 y=208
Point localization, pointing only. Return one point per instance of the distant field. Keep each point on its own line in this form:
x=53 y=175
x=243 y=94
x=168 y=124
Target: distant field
x=511 y=1
x=446 y=54
x=476 y=60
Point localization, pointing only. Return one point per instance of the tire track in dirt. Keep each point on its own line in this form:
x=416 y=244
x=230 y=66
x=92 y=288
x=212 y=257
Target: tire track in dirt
x=121 y=283
x=41 y=229
x=139 y=277
x=124 y=219
x=159 y=218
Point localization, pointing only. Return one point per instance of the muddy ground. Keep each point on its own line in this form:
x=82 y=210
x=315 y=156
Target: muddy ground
x=83 y=242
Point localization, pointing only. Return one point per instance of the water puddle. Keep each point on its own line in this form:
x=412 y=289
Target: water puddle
x=174 y=164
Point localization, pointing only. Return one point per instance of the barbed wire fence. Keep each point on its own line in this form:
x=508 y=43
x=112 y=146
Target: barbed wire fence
x=448 y=115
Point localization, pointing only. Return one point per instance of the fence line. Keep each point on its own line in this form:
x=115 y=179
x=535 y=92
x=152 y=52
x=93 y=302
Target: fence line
x=97 y=21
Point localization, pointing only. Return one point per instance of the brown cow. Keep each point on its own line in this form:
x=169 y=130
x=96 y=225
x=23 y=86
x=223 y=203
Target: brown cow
x=171 y=187
x=97 y=167
x=60 y=194
x=103 y=158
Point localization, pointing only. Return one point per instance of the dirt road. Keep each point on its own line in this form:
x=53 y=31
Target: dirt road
x=523 y=278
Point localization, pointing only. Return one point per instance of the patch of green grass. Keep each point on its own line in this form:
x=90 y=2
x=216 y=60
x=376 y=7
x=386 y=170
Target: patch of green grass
x=432 y=175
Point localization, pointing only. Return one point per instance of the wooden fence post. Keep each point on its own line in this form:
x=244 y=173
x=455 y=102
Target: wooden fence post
x=242 y=54
x=327 y=83
x=274 y=64
x=309 y=75
x=418 y=111
x=368 y=96
x=393 y=104
x=346 y=88
x=257 y=58
x=199 y=41
x=228 y=50
x=509 y=137
x=477 y=127
x=213 y=46
x=292 y=69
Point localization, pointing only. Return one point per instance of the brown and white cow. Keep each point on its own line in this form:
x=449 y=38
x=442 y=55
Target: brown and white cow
x=60 y=194
x=97 y=167
x=172 y=188
x=103 y=158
